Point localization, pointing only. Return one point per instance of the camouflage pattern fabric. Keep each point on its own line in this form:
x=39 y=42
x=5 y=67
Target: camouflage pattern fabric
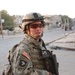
x=25 y=58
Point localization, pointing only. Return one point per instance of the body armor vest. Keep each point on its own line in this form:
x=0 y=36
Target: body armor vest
x=35 y=52
x=36 y=57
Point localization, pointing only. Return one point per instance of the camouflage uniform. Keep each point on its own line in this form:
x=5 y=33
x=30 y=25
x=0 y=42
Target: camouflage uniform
x=28 y=58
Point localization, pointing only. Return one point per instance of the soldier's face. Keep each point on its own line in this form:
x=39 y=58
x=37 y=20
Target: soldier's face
x=35 y=30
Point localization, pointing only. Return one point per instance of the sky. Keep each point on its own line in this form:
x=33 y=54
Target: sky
x=45 y=7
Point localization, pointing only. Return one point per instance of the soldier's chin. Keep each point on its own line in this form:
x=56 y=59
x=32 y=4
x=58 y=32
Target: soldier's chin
x=38 y=37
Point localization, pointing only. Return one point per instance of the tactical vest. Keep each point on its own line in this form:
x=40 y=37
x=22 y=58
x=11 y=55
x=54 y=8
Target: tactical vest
x=35 y=53
x=36 y=57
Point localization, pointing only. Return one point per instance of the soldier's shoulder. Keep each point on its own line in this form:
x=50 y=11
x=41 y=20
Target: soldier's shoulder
x=22 y=47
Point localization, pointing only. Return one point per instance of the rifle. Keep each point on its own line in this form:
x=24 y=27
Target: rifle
x=51 y=63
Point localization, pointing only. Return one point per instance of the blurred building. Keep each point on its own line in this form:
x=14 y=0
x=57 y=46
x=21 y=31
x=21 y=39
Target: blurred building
x=52 y=21
x=18 y=20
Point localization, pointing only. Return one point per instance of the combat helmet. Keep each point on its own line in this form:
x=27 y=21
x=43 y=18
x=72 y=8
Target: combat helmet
x=30 y=18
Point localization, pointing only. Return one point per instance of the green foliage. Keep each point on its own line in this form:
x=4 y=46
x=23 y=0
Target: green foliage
x=8 y=20
x=66 y=19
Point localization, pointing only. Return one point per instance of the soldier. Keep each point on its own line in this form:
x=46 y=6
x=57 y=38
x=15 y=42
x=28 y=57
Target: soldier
x=27 y=56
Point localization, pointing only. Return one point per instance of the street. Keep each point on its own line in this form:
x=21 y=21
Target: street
x=65 y=58
x=67 y=42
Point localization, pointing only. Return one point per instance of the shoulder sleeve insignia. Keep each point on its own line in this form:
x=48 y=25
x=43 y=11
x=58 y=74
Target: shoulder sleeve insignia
x=24 y=53
x=22 y=63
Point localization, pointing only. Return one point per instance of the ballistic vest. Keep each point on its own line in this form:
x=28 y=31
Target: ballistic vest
x=35 y=52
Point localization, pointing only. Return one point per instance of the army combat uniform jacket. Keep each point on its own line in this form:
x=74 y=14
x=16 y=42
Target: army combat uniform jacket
x=27 y=58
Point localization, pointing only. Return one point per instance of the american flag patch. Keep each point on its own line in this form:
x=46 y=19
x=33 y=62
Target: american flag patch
x=24 y=53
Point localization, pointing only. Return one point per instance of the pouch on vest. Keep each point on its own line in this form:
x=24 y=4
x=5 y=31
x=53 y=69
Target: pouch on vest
x=7 y=67
x=51 y=63
x=7 y=70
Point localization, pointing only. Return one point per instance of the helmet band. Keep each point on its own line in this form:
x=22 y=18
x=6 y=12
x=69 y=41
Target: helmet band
x=37 y=19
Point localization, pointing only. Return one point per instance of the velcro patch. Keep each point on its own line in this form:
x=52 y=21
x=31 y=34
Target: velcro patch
x=24 y=53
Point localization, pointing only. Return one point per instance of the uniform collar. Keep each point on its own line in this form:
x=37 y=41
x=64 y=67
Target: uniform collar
x=33 y=41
